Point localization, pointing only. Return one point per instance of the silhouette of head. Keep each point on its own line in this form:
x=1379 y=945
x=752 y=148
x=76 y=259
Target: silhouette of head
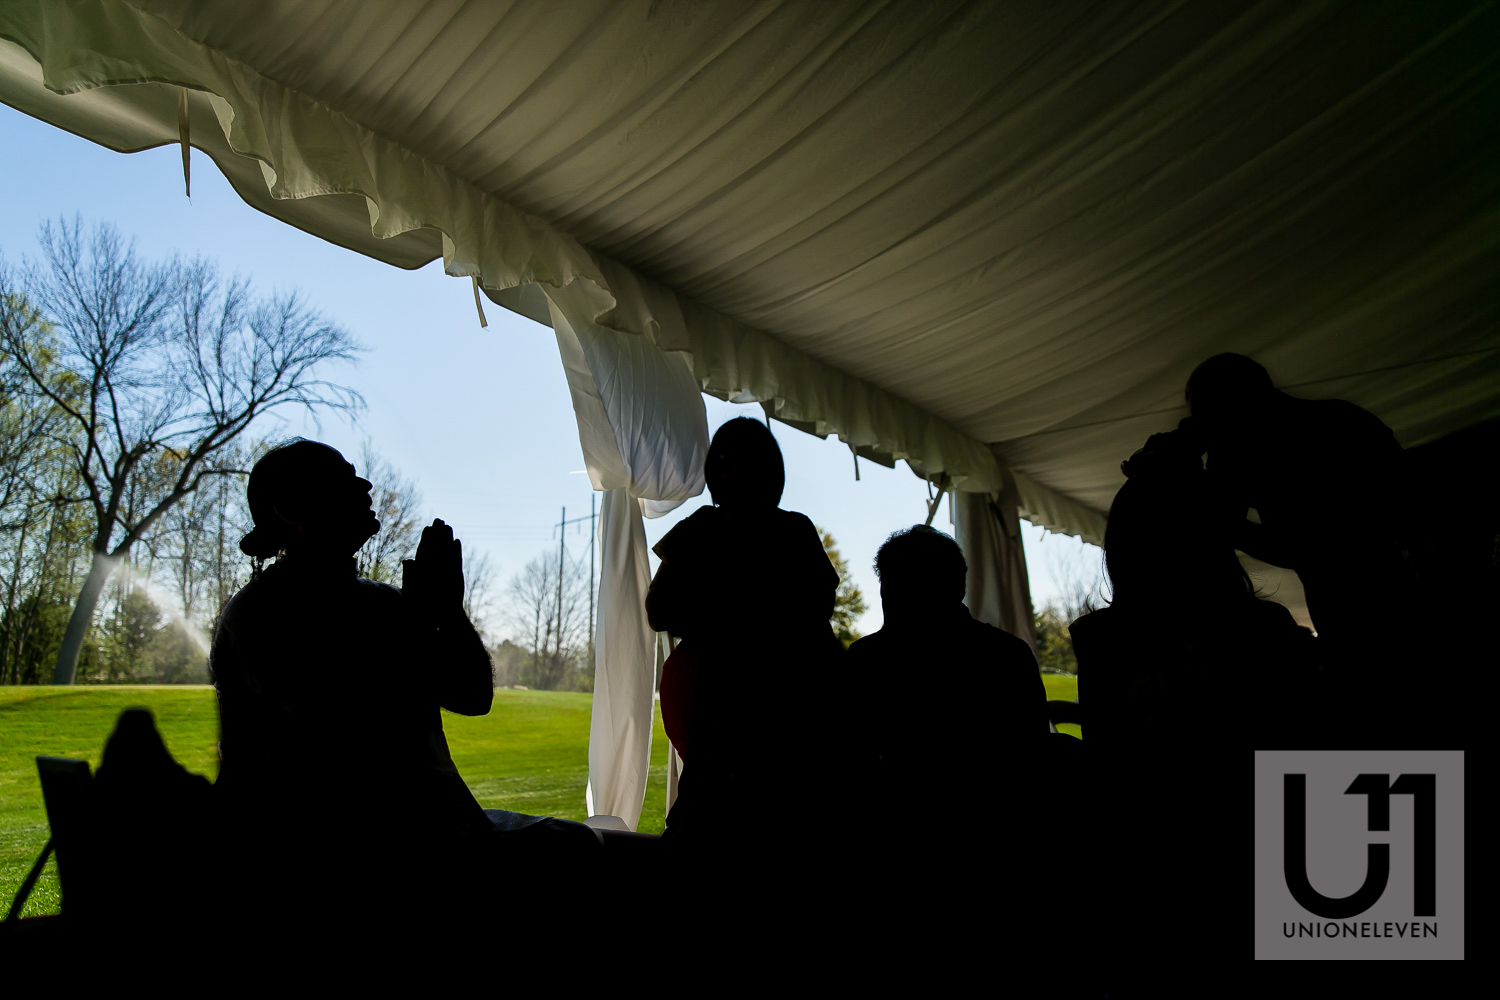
x=1169 y=540
x=135 y=746
x=744 y=467
x=921 y=570
x=305 y=496
x=1228 y=390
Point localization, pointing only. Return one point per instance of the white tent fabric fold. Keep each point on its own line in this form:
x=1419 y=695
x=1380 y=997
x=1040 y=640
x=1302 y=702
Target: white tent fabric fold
x=644 y=434
x=641 y=420
x=624 y=667
x=998 y=591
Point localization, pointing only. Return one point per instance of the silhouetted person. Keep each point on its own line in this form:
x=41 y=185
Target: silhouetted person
x=1328 y=482
x=153 y=820
x=334 y=761
x=955 y=724
x=1181 y=678
x=929 y=638
x=1182 y=605
x=749 y=589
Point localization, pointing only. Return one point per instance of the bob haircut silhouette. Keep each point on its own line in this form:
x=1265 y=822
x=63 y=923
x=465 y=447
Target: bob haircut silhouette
x=281 y=474
x=922 y=561
x=744 y=465
x=1229 y=377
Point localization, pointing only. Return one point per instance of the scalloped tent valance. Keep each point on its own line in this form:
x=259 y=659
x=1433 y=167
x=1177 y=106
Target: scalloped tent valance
x=916 y=227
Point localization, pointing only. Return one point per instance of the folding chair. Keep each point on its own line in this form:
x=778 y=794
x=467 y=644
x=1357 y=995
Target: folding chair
x=66 y=790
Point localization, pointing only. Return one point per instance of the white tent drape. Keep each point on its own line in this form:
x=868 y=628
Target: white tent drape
x=998 y=589
x=644 y=434
x=624 y=666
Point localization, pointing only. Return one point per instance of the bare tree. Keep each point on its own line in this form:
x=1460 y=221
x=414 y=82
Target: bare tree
x=1078 y=573
x=196 y=542
x=551 y=621
x=479 y=590
x=157 y=367
x=1080 y=578
x=398 y=506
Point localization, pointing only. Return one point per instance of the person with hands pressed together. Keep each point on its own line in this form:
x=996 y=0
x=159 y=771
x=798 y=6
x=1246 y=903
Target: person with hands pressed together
x=335 y=766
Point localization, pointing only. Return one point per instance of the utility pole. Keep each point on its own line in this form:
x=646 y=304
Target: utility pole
x=562 y=534
x=562 y=531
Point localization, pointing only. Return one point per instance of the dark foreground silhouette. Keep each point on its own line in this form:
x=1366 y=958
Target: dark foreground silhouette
x=309 y=657
x=927 y=628
x=149 y=857
x=749 y=590
x=1181 y=678
x=1329 y=484
x=974 y=741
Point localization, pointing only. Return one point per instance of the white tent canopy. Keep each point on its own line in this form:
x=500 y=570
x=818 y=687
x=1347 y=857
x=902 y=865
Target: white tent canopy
x=917 y=226
x=990 y=239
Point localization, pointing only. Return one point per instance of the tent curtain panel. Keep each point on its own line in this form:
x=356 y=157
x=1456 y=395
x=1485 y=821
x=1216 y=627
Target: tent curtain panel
x=644 y=435
x=624 y=667
x=998 y=590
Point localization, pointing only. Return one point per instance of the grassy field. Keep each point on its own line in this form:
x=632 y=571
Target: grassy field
x=1063 y=687
x=530 y=754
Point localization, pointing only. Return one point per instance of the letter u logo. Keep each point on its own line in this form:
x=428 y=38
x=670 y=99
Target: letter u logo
x=1294 y=862
x=1423 y=790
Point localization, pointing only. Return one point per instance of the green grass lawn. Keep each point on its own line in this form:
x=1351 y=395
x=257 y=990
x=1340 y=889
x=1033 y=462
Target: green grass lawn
x=1063 y=687
x=530 y=754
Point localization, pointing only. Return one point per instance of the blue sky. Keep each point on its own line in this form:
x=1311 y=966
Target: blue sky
x=480 y=418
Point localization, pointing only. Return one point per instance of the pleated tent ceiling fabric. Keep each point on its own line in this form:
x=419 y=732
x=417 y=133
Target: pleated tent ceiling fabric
x=949 y=232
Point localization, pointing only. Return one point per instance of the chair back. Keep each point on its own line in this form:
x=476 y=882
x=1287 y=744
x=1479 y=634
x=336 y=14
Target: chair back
x=1062 y=712
x=67 y=789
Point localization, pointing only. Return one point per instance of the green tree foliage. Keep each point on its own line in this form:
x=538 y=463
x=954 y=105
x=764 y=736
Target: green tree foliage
x=848 y=601
x=1081 y=581
x=510 y=663
x=1054 y=644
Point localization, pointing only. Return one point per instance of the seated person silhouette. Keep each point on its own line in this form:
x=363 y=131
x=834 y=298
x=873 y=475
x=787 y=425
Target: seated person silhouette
x=928 y=628
x=152 y=820
x=1327 y=481
x=959 y=755
x=749 y=590
x=1182 y=605
x=329 y=689
x=1182 y=677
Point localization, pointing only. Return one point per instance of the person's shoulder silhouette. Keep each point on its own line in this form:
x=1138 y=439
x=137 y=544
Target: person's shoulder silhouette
x=781 y=578
x=929 y=639
x=1183 y=606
